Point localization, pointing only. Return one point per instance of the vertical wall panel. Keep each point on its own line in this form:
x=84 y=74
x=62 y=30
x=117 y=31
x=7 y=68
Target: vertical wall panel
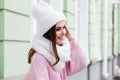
x=1 y=59
x=19 y=6
x=15 y=58
x=1 y=24
x=69 y=11
x=118 y=28
x=15 y=25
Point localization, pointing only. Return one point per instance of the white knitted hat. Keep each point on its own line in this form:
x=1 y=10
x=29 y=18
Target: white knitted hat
x=46 y=17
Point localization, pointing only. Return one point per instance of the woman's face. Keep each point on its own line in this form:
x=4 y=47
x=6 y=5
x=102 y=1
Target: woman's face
x=60 y=32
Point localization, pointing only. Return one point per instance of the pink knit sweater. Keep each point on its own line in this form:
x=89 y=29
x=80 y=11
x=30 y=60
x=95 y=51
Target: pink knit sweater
x=40 y=68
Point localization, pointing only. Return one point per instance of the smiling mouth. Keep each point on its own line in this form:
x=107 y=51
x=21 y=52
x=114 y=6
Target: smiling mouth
x=61 y=39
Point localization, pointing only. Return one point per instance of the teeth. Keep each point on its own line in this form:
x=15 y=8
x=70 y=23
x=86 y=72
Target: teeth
x=61 y=38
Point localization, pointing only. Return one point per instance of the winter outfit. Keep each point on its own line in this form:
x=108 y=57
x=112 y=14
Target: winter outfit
x=72 y=58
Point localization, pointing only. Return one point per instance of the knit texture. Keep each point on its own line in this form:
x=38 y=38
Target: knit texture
x=40 y=68
x=46 y=17
x=44 y=47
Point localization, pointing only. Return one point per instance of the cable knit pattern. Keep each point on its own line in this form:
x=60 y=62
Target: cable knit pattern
x=41 y=69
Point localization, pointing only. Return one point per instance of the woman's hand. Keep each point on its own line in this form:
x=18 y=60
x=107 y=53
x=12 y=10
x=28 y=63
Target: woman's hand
x=68 y=34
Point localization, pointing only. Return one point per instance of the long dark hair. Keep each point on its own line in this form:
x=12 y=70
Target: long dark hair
x=50 y=35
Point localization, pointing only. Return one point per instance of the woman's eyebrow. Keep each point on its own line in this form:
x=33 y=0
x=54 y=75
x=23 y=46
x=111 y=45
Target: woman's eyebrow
x=59 y=26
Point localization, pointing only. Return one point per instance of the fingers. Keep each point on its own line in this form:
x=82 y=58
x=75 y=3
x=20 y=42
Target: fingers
x=67 y=31
x=68 y=34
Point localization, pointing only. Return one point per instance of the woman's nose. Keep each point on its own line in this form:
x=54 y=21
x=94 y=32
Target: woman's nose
x=63 y=31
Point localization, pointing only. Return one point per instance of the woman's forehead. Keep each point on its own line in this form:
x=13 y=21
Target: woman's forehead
x=60 y=23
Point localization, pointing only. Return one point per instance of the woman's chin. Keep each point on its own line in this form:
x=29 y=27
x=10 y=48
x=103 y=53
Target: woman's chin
x=60 y=44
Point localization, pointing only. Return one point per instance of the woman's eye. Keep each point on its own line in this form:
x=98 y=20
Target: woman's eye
x=64 y=27
x=60 y=28
x=57 y=29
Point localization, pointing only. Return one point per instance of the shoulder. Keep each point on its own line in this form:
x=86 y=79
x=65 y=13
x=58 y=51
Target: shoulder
x=39 y=58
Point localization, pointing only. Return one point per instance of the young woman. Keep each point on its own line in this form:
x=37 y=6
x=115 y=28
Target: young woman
x=54 y=54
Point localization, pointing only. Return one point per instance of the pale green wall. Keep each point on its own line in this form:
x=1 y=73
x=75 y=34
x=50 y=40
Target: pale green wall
x=118 y=23
x=15 y=58
x=1 y=4
x=1 y=60
x=15 y=25
x=69 y=11
x=102 y=25
x=109 y=28
x=19 y=6
x=1 y=24
x=70 y=14
x=90 y=28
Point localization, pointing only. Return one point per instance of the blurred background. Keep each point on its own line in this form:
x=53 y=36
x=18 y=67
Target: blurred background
x=94 y=23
